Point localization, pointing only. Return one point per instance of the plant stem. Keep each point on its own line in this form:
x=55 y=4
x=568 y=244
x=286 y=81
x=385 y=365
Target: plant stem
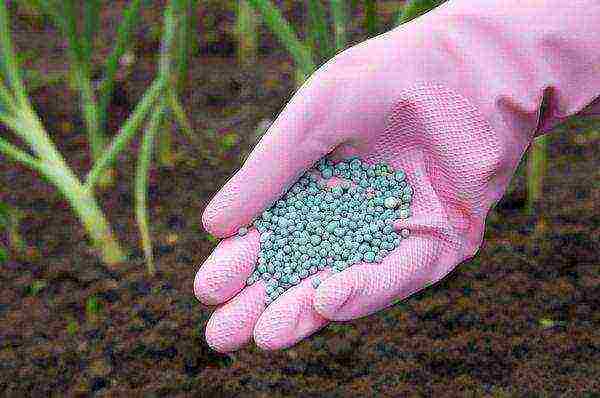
x=84 y=204
x=146 y=149
x=247 y=32
x=371 y=23
x=81 y=64
x=20 y=156
x=126 y=132
x=536 y=170
x=9 y=60
x=311 y=43
x=6 y=100
x=184 y=40
x=141 y=185
x=338 y=12
x=96 y=138
x=181 y=117
x=122 y=41
x=416 y=8
x=318 y=32
x=172 y=17
x=10 y=218
x=91 y=22
x=79 y=197
x=194 y=34
x=166 y=157
x=285 y=34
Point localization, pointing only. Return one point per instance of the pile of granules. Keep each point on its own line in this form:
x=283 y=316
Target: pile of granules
x=323 y=223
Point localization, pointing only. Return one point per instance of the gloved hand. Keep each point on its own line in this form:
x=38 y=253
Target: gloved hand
x=454 y=99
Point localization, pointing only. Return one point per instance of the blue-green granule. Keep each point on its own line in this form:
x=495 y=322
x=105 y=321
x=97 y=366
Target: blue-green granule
x=313 y=227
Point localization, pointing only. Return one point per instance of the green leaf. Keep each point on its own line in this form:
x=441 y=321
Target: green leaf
x=80 y=52
x=72 y=327
x=17 y=154
x=69 y=28
x=9 y=66
x=228 y=141
x=37 y=286
x=285 y=34
x=4 y=216
x=212 y=239
x=92 y=306
x=184 y=43
x=171 y=20
x=122 y=42
x=91 y=23
x=180 y=116
x=126 y=132
x=319 y=34
x=371 y=20
x=3 y=255
x=417 y=8
x=7 y=101
x=141 y=184
x=339 y=12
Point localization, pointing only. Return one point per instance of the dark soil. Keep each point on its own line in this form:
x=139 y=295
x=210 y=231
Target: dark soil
x=520 y=319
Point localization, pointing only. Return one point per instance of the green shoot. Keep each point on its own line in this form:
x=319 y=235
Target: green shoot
x=338 y=12
x=247 y=33
x=181 y=118
x=184 y=44
x=416 y=8
x=10 y=219
x=141 y=186
x=319 y=35
x=228 y=141
x=17 y=114
x=166 y=157
x=129 y=19
x=4 y=220
x=194 y=36
x=72 y=327
x=536 y=170
x=212 y=239
x=91 y=23
x=8 y=62
x=36 y=287
x=7 y=102
x=17 y=154
x=547 y=323
x=174 y=57
x=146 y=149
x=80 y=48
x=92 y=308
x=126 y=132
x=285 y=34
x=371 y=21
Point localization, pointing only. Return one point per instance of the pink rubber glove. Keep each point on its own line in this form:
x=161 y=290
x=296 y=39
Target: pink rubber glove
x=454 y=99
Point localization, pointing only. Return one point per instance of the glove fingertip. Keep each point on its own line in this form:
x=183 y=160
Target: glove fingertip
x=220 y=343
x=329 y=298
x=213 y=223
